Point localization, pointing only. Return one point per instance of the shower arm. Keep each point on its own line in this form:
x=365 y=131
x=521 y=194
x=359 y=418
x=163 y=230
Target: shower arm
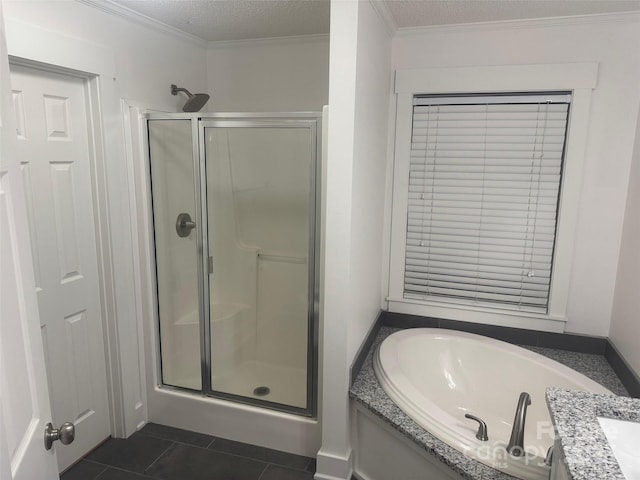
x=175 y=89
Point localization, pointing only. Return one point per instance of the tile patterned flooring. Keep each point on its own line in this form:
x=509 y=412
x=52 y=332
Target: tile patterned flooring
x=166 y=453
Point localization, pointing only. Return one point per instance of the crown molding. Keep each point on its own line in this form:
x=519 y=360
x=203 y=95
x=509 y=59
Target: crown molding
x=628 y=17
x=117 y=10
x=382 y=9
x=253 y=42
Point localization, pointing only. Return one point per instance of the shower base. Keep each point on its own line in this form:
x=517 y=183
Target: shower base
x=287 y=385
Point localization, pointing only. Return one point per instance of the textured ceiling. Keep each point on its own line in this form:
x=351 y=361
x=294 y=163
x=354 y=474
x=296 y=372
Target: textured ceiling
x=417 y=13
x=215 y=20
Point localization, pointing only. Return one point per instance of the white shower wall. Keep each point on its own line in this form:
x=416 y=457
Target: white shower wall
x=271 y=188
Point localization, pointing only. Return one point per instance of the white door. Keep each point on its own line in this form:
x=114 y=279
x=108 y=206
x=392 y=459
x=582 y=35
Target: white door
x=24 y=398
x=53 y=150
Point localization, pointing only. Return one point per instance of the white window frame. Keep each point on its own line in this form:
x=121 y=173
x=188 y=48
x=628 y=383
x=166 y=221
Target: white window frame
x=580 y=79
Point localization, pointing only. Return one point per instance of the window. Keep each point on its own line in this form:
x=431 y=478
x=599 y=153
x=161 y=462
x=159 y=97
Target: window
x=482 y=198
x=451 y=84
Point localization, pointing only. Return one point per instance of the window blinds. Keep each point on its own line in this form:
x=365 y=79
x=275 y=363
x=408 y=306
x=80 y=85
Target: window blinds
x=484 y=181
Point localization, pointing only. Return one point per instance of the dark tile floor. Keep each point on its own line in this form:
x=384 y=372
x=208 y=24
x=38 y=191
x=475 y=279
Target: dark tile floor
x=166 y=453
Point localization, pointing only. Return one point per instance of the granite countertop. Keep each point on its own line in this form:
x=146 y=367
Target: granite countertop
x=584 y=445
x=367 y=391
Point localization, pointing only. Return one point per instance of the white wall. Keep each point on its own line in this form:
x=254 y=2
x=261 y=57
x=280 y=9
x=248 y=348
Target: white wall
x=359 y=90
x=333 y=459
x=625 y=317
x=614 y=44
x=371 y=127
x=269 y=75
x=132 y=62
x=147 y=61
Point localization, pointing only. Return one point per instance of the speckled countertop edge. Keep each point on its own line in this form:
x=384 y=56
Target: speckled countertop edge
x=367 y=391
x=587 y=452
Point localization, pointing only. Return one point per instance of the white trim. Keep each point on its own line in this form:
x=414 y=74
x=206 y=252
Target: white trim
x=33 y=45
x=388 y=199
x=139 y=206
x=254 y=42
x=473 y=314
x=631 y=16
x=397 y=245
x=144 y=255
x=526 y=98
x=121 y=11
x=580 y=78
x=105 y=265
x=382 y=9
x=100 y=209
x=333 y=466
x=503 y=78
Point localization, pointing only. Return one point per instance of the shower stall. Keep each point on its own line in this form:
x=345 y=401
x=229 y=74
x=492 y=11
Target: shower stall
x=234 y=203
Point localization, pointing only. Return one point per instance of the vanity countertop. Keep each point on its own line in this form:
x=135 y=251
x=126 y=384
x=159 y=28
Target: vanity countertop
x=367 y=391
x=586 y=450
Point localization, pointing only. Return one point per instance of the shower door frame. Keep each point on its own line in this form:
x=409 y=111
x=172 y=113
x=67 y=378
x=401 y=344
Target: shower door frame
x=200 y=121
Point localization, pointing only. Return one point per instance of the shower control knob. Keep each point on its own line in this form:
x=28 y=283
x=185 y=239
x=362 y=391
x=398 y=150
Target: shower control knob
x=184 y=225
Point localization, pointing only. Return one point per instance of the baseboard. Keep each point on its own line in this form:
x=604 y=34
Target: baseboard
x=320 y=476
x=333 y=467
x=361 y=356
x=621 y=367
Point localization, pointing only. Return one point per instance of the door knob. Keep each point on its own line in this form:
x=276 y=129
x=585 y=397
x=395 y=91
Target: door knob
x=66 y=434
x=184 y=224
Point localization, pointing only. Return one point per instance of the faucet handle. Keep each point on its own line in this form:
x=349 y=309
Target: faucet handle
x=548 y=460
x=482 y=427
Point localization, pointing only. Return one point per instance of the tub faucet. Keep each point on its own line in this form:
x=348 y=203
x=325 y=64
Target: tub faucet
x=516 y=443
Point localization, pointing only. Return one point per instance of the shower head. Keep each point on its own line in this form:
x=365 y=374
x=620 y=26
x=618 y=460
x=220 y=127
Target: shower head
x=195 y=102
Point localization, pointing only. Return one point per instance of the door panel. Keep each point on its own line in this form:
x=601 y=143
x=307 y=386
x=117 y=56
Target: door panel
x=259 y=214
x=51 y=113
x=24 y=397
x=173 y=193
x=25 y=403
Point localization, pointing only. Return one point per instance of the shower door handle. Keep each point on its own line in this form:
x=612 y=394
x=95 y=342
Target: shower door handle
x=184 y=224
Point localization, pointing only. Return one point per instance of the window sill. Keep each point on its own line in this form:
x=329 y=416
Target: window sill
x=477 y=314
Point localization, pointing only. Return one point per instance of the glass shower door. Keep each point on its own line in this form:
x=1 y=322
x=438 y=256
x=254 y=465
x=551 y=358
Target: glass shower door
x=260 y=201
x=175 y=211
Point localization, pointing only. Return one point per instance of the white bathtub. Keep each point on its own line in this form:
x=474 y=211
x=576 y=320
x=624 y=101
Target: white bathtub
x=437 y=376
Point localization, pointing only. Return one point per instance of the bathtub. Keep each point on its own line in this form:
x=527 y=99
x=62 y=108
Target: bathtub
x=437 y=376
